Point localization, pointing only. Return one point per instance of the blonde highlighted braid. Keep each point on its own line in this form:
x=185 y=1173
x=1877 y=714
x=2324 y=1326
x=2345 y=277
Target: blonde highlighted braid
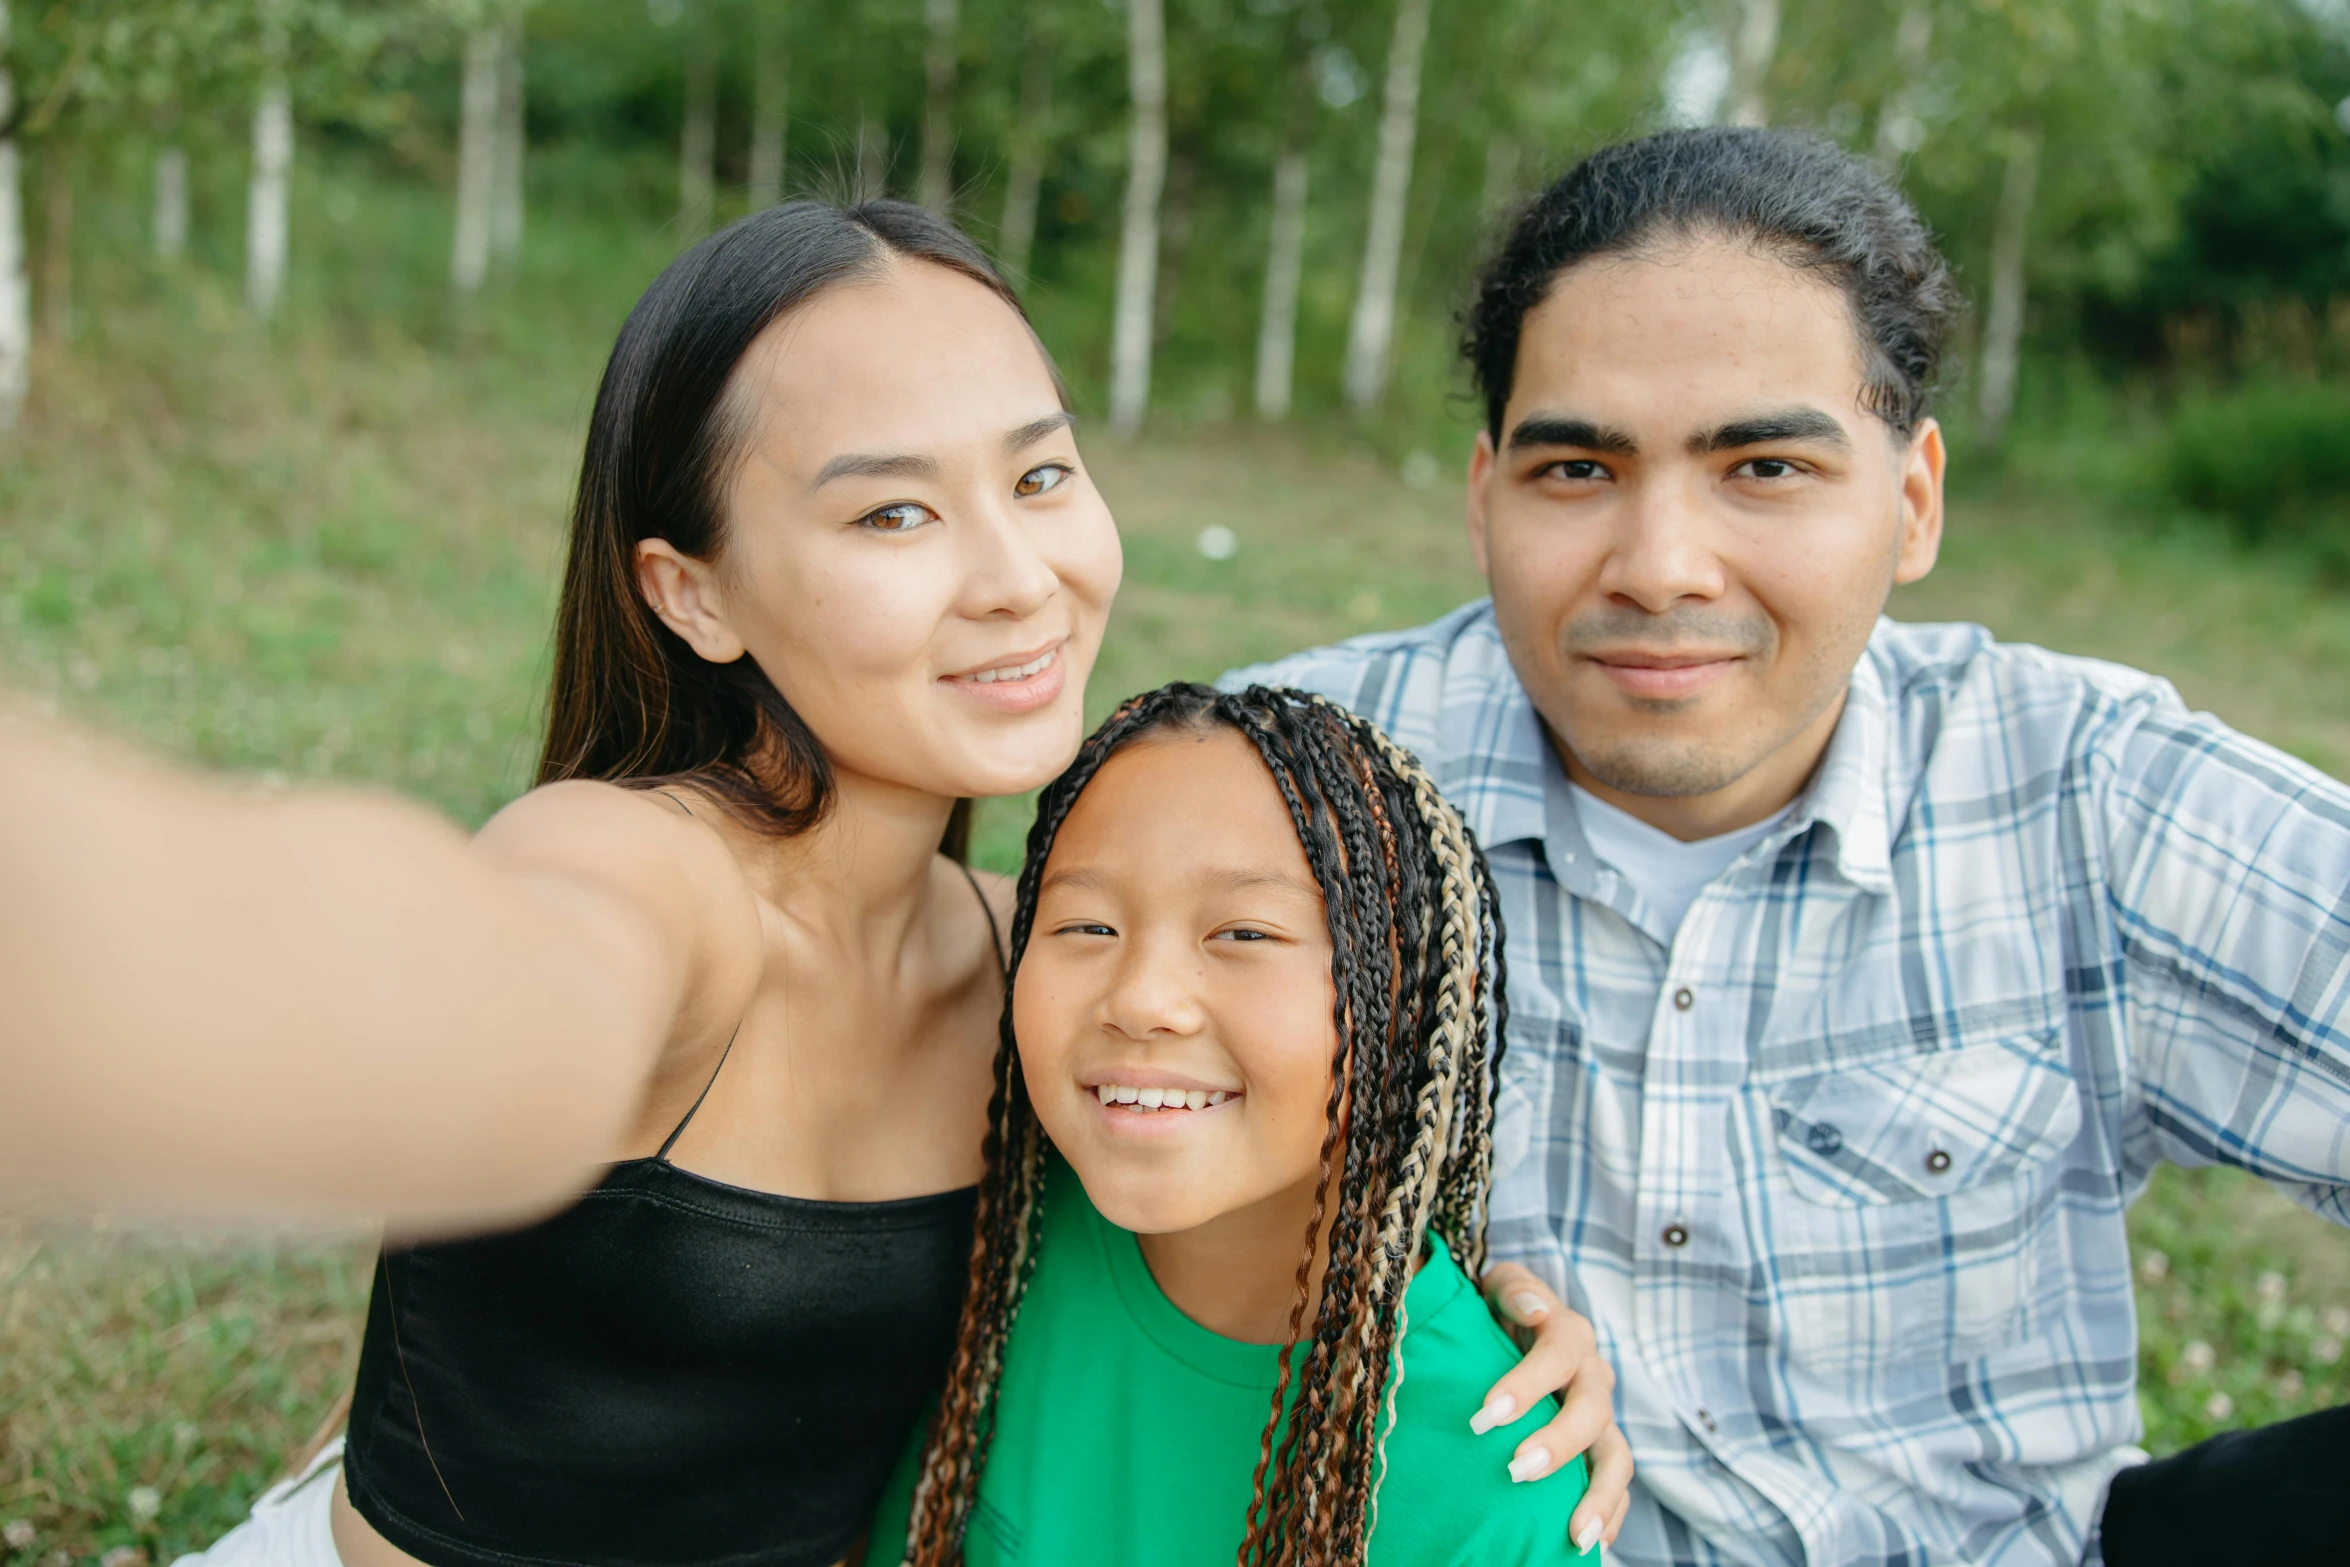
x=1420 y=1008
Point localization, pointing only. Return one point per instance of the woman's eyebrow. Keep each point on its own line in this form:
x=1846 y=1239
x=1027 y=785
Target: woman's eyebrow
x=1037 y=429
x=865 y=465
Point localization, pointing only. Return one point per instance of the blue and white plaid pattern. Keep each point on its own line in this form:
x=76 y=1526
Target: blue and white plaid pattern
x=1840 y=1172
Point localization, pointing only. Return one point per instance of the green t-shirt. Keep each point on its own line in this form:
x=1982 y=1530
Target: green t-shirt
x=1127 y=1434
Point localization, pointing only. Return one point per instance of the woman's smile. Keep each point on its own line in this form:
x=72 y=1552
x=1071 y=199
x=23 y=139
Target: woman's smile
x=1020 y=685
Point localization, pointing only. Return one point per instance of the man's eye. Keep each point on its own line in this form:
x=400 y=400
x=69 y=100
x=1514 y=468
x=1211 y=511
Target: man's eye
x=904 y=517
x=1766 y=468
x=1581 y=470
x=1036 y=481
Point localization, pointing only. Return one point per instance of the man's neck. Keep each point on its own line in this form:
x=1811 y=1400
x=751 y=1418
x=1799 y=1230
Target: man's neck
x=1756 y=795
x=1236 y=1275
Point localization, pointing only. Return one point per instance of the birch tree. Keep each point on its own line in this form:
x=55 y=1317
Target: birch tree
x=1031 y=134
x=265 y=193
x=2003 y=325
x=1752 y=30
x=1285 y=239
x=16 y=326
x=935 y=186
x=697 y=141
x=1138 y=230
x=1899 y=130
x=170 y=219
x=55 y=295
x=1370 y=334
x=477 y=154
x=770 y=113
x=506 y=198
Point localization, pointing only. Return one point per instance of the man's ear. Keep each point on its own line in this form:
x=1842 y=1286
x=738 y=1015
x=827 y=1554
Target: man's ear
x=684 y=592
x=1480 y=470
x=1921 y=503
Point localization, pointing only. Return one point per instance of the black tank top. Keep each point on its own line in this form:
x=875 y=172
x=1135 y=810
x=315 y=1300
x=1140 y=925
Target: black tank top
x=673 y=1373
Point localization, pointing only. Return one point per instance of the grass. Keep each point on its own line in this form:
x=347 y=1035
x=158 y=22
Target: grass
x=330 y=554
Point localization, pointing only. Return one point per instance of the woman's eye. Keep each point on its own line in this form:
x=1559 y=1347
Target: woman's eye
x=1036 y=481
x=904 y=517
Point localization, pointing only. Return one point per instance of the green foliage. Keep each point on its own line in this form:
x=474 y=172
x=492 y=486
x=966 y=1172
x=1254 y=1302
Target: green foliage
x=2273 y=458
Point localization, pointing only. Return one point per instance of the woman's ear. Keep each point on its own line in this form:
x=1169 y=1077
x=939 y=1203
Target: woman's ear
x=684 y=592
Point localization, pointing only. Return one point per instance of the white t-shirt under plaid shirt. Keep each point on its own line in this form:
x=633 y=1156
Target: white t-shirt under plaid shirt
x=1839 y=1171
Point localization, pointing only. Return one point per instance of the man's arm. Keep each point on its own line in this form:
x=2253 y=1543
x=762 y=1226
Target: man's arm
x=2229 y=873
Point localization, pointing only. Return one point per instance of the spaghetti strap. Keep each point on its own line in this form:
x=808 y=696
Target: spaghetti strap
x=672 y=796
x=995 y=933
x=663 y=1155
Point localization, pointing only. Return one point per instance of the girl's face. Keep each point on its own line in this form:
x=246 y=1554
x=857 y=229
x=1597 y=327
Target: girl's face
x=1180 y=959
x=913 y=552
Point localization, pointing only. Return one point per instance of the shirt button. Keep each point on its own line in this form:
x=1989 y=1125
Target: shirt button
x=1825 y=1140
x=1684 y=999
x=1937 y=1162
x=1707 y=1420
x=1676 y=1235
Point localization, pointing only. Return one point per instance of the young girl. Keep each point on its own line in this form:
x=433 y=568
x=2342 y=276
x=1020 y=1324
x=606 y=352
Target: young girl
x=1256 y=968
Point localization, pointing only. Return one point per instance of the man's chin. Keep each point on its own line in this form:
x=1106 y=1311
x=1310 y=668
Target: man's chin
x=1659 y=769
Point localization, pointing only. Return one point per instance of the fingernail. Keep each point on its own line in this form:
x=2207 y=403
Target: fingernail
x=1532 y=1464
x=1497 y=1411
x=1587 y=1536
x=1530 y=1307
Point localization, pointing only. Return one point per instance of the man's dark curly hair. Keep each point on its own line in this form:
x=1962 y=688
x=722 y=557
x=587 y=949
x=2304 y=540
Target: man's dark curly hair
x=1798 y=196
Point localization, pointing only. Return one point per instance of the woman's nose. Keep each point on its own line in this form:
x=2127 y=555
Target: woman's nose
x=1007 y=574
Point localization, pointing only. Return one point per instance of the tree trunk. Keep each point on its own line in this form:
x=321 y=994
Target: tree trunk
x=1898 y=131
x=770 y=115
x=171 y=204
x=16 y=327
x=1754 y=43
x=1025 y=178
x=697 y=141
x=2003 y=326
x=1138 y=232
x=937 y=185
x=1371 y=334
x=1285 y=239
x=265 y=196
x=506 y=201
x=56 y=290
x=477 y=161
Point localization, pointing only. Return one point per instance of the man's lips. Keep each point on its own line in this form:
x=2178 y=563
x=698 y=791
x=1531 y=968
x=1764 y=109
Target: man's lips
x=1664 y=676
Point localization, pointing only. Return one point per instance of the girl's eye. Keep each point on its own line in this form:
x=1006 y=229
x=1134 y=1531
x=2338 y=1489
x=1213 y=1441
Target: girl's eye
x=904 y=517
x=1243 y=935
x=1036 y=481
x=1085 y=928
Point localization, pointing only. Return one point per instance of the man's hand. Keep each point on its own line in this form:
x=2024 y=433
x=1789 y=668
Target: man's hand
x=1562 y=1356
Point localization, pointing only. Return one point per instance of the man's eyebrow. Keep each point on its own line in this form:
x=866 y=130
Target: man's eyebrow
x=1036 y=430
x=867 y=465
x=1566 y=430
x=1780 y=424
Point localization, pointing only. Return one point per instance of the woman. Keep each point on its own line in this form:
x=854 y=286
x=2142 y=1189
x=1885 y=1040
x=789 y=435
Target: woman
x=835 y=569
x=1256 y=966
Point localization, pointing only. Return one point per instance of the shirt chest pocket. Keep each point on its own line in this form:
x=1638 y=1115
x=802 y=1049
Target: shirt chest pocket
x=1914 y=1202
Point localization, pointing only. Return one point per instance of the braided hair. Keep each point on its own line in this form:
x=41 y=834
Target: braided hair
x=1416 y=965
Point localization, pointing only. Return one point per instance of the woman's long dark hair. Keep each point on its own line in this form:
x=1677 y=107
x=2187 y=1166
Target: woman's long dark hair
x=631 y=702
x=1415 y=937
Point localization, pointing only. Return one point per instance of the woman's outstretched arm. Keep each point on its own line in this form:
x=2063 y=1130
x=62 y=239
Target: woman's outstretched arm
x=318 y=1005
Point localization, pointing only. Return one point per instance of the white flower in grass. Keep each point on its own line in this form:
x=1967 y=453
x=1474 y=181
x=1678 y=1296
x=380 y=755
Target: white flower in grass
x=2271 y=1286
x=124 y=1556
x=2325 y=1351
x=2337 y=1321
x=145 y=1502
x=2290 y=1386
x=20 y=1534
x=2154 y=1267
x=2218 y=1407
x=2196 y=1358
x=1218 y=542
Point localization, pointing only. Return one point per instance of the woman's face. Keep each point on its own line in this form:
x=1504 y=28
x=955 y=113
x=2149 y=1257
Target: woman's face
x=1180 y=956
x=913 y=552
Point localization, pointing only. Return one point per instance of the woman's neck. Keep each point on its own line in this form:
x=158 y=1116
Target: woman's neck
x=1236 y=1275
x=861 y=876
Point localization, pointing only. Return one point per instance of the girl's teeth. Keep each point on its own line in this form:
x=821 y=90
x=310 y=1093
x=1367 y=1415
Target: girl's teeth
x=1196 y=1098
x=1127 y=1096
x=1108 y=1093
x=1150 y=1098
x=1216 y=1096
x=1145 y=1099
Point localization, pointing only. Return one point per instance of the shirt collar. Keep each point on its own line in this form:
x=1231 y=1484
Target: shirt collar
x=1851 y=793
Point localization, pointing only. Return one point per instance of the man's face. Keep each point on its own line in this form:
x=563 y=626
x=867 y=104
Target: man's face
x=1692 y=523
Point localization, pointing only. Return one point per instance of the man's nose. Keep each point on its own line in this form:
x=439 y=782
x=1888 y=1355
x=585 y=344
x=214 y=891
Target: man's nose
x=1666 y=547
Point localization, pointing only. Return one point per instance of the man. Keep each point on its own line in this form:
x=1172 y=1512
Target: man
x=1859 y=973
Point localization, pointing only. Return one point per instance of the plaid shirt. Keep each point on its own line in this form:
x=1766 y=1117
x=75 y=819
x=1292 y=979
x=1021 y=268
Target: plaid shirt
x=1839 y=1172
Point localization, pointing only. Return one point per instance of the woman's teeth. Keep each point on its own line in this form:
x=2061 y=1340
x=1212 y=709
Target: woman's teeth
x=1161 y=1098
x=1035 y=666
